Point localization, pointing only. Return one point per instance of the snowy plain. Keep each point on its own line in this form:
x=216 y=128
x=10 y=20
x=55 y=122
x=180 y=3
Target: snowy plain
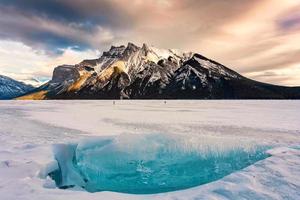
x=28 y=130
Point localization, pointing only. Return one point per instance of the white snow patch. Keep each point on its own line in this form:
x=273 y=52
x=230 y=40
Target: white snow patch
x=29 y=128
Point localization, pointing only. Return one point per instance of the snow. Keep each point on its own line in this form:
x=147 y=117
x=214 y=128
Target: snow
x=10 y=88
x=136 y=59
x=29 y=129
x=215 y=68
x=165 y=53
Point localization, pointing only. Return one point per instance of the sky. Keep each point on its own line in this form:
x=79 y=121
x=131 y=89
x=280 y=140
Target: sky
x=259 y=38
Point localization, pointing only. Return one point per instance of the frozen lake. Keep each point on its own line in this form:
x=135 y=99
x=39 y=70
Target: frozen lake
x=29 y=129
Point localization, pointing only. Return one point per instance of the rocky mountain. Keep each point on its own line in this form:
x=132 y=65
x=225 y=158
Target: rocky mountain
x=10 y=88
x=133 y=72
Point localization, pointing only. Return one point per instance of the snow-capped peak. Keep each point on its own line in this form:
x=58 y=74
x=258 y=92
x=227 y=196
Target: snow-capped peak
x=10 y=88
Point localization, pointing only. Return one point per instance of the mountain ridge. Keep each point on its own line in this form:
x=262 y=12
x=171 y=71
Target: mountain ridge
x=132 y=72
x=10 y=88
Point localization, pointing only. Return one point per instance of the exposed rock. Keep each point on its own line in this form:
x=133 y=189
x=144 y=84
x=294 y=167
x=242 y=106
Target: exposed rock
x=150 y=73
x=65 y=73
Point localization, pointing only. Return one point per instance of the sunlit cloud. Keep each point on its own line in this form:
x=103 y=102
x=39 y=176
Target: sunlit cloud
x=22 y=62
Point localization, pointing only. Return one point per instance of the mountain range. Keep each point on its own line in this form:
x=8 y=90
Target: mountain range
x=10 y=88
x=133 y=72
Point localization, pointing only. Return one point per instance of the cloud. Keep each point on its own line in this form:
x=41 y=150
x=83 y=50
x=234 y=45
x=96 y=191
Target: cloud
x=22 y=62
x=252 y=37
x=254 y=42
x=48 y=34
x=287 y=76
x=93 y=23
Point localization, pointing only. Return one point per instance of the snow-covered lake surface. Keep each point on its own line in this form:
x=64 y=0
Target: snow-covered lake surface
x=30 y=129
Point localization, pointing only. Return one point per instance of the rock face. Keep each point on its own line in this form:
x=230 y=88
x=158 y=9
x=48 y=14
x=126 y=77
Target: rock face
x=65 y=73
x=10 y=88
x=145 y=72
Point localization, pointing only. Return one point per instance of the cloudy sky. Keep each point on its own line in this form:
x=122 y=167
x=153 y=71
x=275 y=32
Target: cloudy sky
x=257 y=38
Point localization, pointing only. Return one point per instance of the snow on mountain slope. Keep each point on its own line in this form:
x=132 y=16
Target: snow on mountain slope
x=152 y=73
x=29 y=129
x=10 y=88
